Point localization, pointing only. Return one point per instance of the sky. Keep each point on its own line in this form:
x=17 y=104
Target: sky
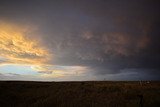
x=79 y=40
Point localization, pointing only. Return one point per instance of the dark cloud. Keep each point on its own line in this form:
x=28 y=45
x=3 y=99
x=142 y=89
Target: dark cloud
x=109 y=36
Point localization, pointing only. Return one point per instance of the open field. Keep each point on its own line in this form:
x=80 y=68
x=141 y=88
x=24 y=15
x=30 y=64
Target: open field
x=79 y=94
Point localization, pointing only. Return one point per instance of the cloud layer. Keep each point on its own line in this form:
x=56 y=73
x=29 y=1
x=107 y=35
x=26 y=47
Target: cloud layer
x=16 y=48
x=104 y=37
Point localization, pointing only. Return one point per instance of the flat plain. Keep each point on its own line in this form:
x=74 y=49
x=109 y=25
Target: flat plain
x=80 y=94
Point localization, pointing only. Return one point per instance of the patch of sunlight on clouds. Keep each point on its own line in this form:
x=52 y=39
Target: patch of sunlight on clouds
x=17 y=48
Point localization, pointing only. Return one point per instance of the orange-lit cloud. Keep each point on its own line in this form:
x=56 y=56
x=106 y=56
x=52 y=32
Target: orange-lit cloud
x=17 y=48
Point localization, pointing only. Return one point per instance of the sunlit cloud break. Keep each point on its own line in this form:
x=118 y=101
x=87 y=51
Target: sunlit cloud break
x=17 y=48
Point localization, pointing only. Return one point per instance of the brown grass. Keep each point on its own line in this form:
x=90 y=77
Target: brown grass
x=78 y=94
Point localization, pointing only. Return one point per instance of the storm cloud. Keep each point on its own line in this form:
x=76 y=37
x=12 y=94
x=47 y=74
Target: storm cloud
x=109 y=37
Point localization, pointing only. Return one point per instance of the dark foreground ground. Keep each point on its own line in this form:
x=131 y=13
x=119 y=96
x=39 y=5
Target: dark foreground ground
x=79 y=94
